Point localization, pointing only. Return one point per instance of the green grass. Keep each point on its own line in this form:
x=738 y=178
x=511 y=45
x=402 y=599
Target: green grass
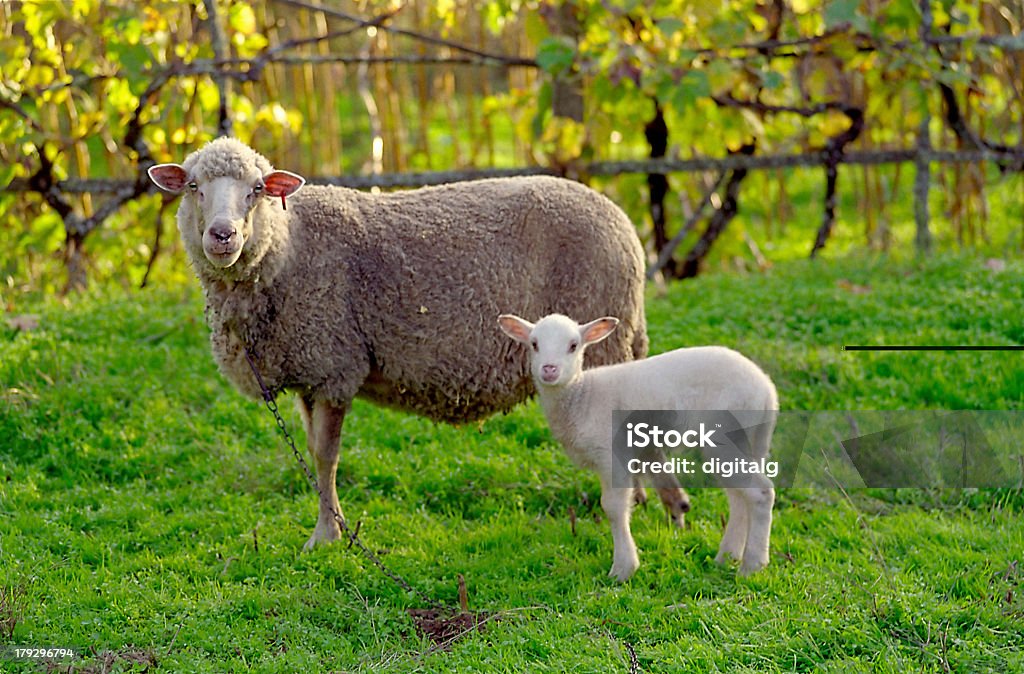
x=148 y=514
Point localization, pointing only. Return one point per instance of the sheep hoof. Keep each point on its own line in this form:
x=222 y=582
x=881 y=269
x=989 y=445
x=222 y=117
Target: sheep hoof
x=676 y=503
x=625 y=571
x=321 y=535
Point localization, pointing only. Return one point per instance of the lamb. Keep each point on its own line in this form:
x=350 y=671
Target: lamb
x=341 y=293
x=578 y=406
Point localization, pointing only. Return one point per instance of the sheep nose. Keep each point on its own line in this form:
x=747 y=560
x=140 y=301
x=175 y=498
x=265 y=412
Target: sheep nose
x=222 y=233
x=549 y=373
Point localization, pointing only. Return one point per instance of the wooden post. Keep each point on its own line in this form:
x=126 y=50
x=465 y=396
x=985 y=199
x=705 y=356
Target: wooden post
x=567 y=91
x=567 y=87
x=922 y=179
x=220 y=52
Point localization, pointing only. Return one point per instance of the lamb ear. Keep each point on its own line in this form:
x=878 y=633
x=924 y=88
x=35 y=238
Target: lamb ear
x=168 y=177
x=596 y=330
x=282 y=183
x=515 y=327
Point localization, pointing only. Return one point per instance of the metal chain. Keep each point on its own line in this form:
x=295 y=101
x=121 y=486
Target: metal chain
x=269 y=398
x=634 y=663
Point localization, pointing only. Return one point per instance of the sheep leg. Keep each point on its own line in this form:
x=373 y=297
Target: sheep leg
x=759 y=502
x=617 y=503
x=734 y=540
x=323 y=427
x=305 y=406
x=672 y=496
x=639 y=493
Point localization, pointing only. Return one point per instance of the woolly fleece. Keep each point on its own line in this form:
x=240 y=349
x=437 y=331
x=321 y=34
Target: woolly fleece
x=393 y=297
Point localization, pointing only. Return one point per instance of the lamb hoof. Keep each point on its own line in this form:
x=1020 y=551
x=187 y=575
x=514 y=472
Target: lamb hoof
x=750 y=567
x=623 y=572
x=727 y=557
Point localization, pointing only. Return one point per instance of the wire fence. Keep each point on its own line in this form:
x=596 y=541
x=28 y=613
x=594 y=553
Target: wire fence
x=290 y=52
x=1011 y=160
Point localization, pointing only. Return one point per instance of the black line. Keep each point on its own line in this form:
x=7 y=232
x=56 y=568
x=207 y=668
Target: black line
x=933 y=348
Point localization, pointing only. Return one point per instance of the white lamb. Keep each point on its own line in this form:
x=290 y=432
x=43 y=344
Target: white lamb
x=578 y=406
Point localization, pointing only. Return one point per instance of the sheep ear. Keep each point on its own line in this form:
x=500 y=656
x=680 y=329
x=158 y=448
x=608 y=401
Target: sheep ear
x=596 y=330
x=515 y=327
x=282 y=183
x=168 y=177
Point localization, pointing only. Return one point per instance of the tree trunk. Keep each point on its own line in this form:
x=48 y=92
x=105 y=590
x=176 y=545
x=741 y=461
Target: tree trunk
x=567 y=91
x=220 y=52
x=834 y=150
x=718 y=221
x=656 y=132
x=74 y=262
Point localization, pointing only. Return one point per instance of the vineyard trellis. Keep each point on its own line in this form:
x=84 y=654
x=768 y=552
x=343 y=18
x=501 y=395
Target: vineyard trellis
x=222 y=69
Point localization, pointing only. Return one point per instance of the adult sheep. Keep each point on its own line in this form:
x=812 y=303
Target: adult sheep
x=392 y=297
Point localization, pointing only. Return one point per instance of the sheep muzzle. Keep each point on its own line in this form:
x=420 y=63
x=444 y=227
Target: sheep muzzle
x=549 y=374
x=222 y=242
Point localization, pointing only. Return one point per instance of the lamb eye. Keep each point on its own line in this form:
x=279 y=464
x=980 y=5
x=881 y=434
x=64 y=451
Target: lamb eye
x=257 y=189
x=194 y=186
x=572 y=347
x=533 y=343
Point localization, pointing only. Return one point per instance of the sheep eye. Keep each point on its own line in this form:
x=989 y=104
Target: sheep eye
x=257 y=189
x=533 y=343
x=193 y=186
x=572 y=347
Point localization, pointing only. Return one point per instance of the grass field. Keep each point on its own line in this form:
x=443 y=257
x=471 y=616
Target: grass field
x=151 y=518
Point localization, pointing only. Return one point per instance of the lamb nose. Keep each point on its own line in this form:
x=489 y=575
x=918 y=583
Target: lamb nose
x=550 y=369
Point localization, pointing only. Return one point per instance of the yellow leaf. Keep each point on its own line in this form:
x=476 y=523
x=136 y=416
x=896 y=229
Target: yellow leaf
x=242 y=19
x=754 y=122
x=566 y=137
x=734 y=138
x=255 y=43
x=82 y=8
x=445 y=9
x=834 y=123
x=154 y=21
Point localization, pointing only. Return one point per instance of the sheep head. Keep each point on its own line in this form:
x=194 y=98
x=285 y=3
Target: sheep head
x=224 y=186
x=556 y=344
